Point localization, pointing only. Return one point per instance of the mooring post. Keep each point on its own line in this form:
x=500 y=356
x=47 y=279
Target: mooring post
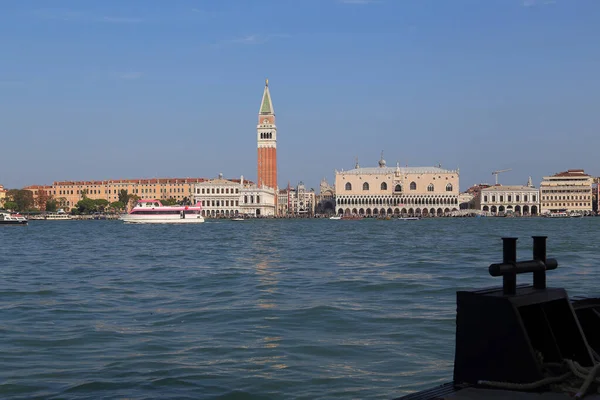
x=539 y=253
x=509 y=256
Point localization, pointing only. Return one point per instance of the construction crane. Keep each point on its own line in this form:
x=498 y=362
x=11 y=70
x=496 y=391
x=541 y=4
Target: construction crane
x=500 y=171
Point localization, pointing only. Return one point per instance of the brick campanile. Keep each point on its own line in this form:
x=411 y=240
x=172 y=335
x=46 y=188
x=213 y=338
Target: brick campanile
x=266 y=136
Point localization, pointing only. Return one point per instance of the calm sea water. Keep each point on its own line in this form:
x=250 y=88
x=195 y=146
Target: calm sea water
x=279 y=309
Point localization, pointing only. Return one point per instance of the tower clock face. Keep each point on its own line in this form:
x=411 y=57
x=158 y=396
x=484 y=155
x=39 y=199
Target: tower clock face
x=265 y=121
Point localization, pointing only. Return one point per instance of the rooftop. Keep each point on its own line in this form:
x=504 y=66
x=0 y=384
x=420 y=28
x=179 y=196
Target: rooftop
x=391 y=170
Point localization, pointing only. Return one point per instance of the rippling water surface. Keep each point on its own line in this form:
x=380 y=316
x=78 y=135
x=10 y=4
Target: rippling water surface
x=264 y=309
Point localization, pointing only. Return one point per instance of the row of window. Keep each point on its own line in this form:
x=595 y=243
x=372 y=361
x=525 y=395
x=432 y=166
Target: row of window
x=588 y=190
x=143 y=190
x=266 y=135
x=566 y=198
x=509 y=198
x=397 y=201
x=398 y=188
x=565 y=205
x=218 y=191
x=220 y=203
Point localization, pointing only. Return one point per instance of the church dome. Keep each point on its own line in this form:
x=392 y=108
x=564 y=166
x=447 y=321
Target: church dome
x=381 y=161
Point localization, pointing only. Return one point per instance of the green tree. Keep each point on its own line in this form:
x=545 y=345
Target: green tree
x=169 y=202
x=86 y=206
x=10 y=205
x=84 y=193
x=117 y=205
x=101 y=204
x=23 y=199
x=123 y=196
x=51 y=205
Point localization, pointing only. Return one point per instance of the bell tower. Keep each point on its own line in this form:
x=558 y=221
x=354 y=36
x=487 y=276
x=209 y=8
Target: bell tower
x=266 y=136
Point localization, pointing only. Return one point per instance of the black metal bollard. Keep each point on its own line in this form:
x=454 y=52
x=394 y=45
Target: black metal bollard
x=539 y=253
x=509 y=256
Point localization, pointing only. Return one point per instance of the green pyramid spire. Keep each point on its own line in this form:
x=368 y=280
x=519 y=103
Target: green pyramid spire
x=266 y=105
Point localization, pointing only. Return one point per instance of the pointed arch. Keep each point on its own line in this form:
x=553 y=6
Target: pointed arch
x=449 y=187
x=413 y=185
x=430 y=188
x=398 y=188
x=366 y=186
x=383 y=186
x=348 y=186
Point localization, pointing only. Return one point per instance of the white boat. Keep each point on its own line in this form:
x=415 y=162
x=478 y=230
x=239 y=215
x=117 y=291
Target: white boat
x=7 y=218
x=560 y=214
x=60 y=215
x=336 y=217
x=151 y=211
x=409 y=218
x=237 y=219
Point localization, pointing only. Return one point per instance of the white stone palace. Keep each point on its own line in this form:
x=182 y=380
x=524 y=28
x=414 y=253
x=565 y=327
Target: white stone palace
x=520 y=200
x=231 y=197
x=382 y=190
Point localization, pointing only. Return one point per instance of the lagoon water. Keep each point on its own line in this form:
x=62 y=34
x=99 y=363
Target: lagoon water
x=263 y=309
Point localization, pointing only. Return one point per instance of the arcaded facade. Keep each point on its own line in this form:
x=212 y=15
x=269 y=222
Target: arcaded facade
x=297 y=201
x=267 y=142
x=569 y=191
x=520 y=200
x=412 y=191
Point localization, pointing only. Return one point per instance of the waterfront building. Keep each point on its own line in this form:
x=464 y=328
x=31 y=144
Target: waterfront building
x=68 y=193
x=297 y=202
x=266 y=136
x=517 y=199
x=219 y=197
x=569 y=191
x=466 y=201
x=2 y=195
x=258 y=201
x=222 y=198
x=325 y=200
x=41 y=195
x=383 y=190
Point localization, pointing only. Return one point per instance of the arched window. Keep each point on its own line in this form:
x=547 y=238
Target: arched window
x=449 y=187
x=383 y=186
x=398 y=188
x=413 y=186
x=348 y=186
x=430 y=187
x=365 y=186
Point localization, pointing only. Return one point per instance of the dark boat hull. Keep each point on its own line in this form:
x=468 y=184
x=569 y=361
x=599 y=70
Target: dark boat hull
x=13 y=222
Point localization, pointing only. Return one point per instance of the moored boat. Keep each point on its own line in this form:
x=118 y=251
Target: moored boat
x=7 y=218
x=152 y=211
x=335 y=217
x=409 y=218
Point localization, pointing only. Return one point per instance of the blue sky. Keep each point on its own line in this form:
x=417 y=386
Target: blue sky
x=139 y=89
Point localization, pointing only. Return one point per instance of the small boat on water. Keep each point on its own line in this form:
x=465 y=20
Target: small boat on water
x=335 y=217
x=237 y=219
x=8 y=218
x=151 y=211
x=409 y=218
x=59 y=215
